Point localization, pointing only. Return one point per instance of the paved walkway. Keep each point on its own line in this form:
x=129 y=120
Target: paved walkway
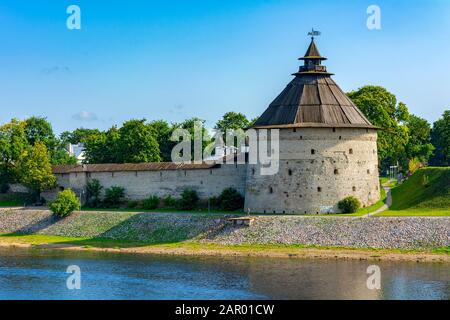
x=386 y=205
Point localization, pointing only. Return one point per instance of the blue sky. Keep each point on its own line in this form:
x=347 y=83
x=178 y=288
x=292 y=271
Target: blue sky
x=178 y=59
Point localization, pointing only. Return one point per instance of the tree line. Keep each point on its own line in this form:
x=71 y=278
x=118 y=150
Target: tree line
x=28 y=148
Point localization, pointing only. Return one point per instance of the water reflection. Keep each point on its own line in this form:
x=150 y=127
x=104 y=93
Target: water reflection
x=37 y=274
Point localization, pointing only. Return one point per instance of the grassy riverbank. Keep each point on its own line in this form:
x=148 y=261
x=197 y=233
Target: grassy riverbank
x=426 y=193
x=208 y=249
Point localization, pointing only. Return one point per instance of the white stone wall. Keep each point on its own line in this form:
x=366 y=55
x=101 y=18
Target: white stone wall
x=344 y=163
x=141 y=184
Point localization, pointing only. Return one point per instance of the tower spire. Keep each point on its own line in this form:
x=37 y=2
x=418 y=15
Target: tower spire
x=312 y=58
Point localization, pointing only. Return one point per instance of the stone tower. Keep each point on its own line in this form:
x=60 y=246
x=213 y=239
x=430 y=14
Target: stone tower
x=328 y=149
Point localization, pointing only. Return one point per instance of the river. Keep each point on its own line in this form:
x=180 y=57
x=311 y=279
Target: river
x=41 y=274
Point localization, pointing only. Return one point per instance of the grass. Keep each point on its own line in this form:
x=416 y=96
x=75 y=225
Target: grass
x=13 y=200
x=193 y=246
x=415 y=213
x=366 y=210
x=425 y=193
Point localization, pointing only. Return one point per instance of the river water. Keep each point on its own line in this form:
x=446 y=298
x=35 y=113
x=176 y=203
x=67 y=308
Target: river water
x=40 y=274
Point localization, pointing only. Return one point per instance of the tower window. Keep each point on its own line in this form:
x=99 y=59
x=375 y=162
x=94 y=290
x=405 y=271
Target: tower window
x=368 y=171
x=270 y=190
x=334 y=129
x=294 y=130
x=253 y=171
x=290 y=172
x=354 y=188
x=350 y=151
x=340 y=137
x=336 y=171
x=313 y=151
x=319 y=189
x=301 y=137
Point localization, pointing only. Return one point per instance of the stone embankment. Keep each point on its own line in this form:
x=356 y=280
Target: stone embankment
x=372 y=232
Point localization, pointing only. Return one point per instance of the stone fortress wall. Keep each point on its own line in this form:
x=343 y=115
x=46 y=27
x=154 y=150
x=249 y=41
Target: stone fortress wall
x=318 y=168
x=140 y=185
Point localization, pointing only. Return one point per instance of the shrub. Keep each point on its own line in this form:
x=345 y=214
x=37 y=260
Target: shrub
x=189 y=200
x=425 y=181
x=114 y=196
x=4 y=187
x=230 y=200
x=151 y=203
x=65 y=203
x=170 y=202
x=349 y=205
x=94 y=190
x=132 y=204
x=413 y=165
x=214 y=202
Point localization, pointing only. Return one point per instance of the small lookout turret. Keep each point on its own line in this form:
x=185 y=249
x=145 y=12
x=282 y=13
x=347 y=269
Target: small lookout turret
x=312 y=61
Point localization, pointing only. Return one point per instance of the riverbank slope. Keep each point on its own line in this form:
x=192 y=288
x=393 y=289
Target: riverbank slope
x=391 y=238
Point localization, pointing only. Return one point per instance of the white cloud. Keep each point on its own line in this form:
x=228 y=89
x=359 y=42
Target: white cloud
x=85 y=116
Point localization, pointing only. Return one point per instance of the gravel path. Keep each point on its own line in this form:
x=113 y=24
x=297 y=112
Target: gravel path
x=385 y=206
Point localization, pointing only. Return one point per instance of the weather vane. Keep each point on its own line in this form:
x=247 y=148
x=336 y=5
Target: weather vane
x=313 y=33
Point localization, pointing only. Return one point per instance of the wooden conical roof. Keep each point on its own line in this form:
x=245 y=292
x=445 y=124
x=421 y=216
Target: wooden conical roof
x=312 y=99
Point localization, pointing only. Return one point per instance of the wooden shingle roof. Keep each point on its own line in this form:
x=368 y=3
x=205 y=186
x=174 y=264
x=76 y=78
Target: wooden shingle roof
x=312 y=99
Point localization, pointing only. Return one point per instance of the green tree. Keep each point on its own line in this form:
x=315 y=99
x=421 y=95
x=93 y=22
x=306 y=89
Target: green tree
x=440 y=138
x=232 y=121
x=419 y=143
x=102 y=147
x=137 y=143
x=34 y=169
x=163 y=133
x=233 y=125
x=94 y=190
x=78 y=135
x=189 y=125
x=383 y=111
x=13 y=143
x=38 y=129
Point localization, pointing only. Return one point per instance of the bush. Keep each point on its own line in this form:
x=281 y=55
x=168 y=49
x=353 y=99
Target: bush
x=349 y=205
x=4 y=187
x=170 y=202
x=132 y=204
x=150 y=203
x=114 y=196
x=65 y=203
x=413 y=165
x=425 y=181
x=230 y=200
x=189 y=200
x=94 y=190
